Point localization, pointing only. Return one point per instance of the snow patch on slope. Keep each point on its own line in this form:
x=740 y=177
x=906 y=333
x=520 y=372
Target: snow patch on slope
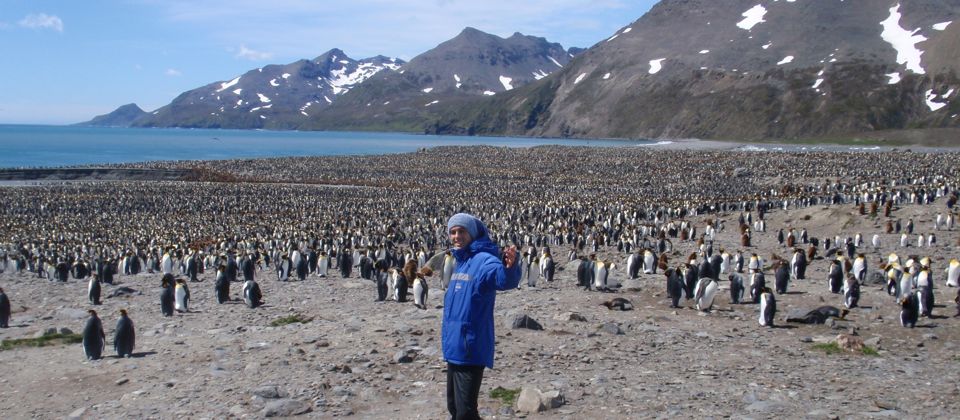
x=506 y=82
x=904 y=41
x=656 y=65
x=227 y=85
x=752 y=17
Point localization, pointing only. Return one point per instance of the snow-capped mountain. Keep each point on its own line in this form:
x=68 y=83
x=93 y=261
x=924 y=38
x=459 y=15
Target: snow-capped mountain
x=470 y=66
x=274 y=96
x=747 y=69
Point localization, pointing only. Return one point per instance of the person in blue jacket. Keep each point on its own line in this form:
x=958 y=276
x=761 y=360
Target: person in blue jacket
x=467 y=332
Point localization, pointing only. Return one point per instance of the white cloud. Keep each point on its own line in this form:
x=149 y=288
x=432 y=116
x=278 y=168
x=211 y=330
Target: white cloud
x=173 y=72
x=252 y=55
x=42 y=21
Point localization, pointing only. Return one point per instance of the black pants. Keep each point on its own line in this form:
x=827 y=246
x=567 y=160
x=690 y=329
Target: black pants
x=463 y=389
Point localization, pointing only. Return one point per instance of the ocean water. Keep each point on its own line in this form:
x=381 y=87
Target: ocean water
x=30 y=146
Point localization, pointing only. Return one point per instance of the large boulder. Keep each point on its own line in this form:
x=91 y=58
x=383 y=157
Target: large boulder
x=524 y=321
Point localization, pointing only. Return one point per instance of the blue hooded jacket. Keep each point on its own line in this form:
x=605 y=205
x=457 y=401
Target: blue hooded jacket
x=467 y=332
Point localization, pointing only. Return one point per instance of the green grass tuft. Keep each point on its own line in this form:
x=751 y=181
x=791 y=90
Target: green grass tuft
x=829 y=348
x=292 y=319
x=508 y=396
x=834 y=348
x=46 y=340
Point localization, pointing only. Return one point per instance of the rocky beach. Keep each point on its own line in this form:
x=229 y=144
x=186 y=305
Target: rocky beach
x=323 y=347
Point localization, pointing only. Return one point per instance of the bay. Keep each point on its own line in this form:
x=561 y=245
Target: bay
x=32 y=146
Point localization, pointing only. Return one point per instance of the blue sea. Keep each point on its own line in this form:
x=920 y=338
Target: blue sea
x=31 y=146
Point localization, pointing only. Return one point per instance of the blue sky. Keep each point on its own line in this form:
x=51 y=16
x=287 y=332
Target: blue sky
x=68 y=60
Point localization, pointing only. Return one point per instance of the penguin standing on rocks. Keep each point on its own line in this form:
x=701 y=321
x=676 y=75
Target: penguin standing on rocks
x=925 y=295
x=674 y=287
x=851 y=292
x=420 y=287
x=706 y=291
x=181 y=296
x=736 y=288
x=633 y=265
x=758 y=283
x=909 y=310
x=125 y=336
x=768 y=307
x=167 y=297
x=93 y=337
x=251 y=294
x=835 y=278
x=798 y=264
x=4 y=309
x=323 y=264
x=222 y=285
x=93 y=290
x=382 y=278
x=547 y=267
x=953 y=273
x=781 y=276
x=689 y=280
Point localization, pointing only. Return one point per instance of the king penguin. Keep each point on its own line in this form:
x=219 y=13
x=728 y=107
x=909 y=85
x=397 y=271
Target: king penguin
x=851 y=292
x=649 y=262
x=449 y=265
x=633 y=265
x=222 y=285
x=768 y=307
x=548 y=267
x=93 y=337
x=835 y=278
x=420 y=288
x=674 y=287
x=781 y=276
x=4 y=309
x=251 y=294
x=181 y=297
x=758 y=283
x=909 y=310
x=736 y=288
x=706 y=291
x=925 y=295
x=93 y=290
x=323 y=264
x=953 y=273
x=125 y=336
x=167 y=295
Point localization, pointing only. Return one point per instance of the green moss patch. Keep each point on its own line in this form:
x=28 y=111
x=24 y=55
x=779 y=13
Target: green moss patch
x=292 y=319
x=508 y=396
x=46 y=340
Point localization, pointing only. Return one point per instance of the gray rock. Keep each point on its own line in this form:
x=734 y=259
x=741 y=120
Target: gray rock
x=570 y=316
x=611 y=328
x=632 y=285
x=65 y=331
x=524 y=321
x=285 y=408
x=45 y=332
x=873 y=342
x=71 y=313
x=552 y=399
x=78 y=413
x=269 y=392
x=530 y=400
x=402 y=356
x=884 y=413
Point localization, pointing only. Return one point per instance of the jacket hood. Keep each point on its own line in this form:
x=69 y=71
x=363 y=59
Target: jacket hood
x=482 y=243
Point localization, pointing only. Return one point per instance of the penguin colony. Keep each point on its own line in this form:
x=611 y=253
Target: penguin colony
x=385 y=223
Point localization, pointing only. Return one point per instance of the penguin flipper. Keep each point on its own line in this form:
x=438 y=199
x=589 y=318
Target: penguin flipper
x=436 y=262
